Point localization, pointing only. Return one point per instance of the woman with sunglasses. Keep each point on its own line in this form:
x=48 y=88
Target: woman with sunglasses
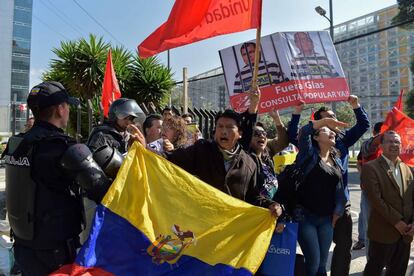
x=262 y=151
x=321 y=195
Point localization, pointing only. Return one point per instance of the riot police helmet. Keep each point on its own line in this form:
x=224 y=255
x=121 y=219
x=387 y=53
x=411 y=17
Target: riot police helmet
x=123 y=107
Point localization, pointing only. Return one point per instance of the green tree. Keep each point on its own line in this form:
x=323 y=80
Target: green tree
x=344 y=113
x=80 y=65
x=405 y=13
x=150 y=81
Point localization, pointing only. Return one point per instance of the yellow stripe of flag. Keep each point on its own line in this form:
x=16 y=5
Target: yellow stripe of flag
x=154 y=194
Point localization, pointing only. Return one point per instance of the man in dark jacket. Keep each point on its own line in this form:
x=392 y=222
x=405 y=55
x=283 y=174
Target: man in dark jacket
x=44 y=171
x=222 y=163
x=341 y=258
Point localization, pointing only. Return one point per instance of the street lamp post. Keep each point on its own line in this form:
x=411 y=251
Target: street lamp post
x=321 y=11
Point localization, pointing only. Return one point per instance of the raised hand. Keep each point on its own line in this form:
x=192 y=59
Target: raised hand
x=297 y=109
x=135 y=135
x=254 y=99
x=168 y=146
x=353 y=101
x=333 y=124
x=276 y=117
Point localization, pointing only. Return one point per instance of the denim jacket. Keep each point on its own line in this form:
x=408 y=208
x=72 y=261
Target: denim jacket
x=307 y=158
x=343 y=141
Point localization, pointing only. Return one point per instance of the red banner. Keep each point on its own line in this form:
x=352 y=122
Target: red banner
x=404 y=126
x=289 y=93
x=195 y=20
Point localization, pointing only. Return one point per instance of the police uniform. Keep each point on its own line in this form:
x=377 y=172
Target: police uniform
x=109 y=134
x=43 y=200
x=109 y=143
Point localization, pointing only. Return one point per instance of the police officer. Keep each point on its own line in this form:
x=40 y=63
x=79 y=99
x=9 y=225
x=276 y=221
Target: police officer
x=122 y=113
x=44 y=172
x=109 y=143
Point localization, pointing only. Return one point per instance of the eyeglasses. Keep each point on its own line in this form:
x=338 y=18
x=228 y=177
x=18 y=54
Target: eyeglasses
x=259 y=133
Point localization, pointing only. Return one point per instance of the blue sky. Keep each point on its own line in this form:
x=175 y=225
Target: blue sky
x=131 y=21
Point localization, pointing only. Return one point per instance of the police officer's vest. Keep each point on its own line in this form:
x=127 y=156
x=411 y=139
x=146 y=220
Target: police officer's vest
x=21 y=187
x=22 y=191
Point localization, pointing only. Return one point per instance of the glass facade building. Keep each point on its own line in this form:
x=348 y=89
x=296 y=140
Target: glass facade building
x=15 y=39
x=208 y=90
x=376 y=65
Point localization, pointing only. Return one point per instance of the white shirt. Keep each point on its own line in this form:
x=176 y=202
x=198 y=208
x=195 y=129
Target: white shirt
x=396 y=172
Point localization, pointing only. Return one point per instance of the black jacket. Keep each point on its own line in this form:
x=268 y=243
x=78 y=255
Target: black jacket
x=107 y=135
x=204 y=160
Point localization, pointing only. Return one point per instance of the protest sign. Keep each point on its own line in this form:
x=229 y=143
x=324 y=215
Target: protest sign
x=293 y=67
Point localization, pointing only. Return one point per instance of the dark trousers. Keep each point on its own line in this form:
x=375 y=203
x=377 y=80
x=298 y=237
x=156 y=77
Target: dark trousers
x=393 y=256
x=34 y=262
x=342 y=237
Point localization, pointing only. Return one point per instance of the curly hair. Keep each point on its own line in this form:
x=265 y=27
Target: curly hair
x=178 y=124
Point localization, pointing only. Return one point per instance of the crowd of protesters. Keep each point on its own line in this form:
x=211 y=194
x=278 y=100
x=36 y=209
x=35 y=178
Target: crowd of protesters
x=238 y=160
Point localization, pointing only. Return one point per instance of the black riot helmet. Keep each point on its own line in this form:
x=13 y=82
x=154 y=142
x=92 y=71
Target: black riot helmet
x=123 y=107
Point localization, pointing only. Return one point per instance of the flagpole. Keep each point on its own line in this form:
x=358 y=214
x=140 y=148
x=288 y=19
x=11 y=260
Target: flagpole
x=256 y=58
x=168 y=66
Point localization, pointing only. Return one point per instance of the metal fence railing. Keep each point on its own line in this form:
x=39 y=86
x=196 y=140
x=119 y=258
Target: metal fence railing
x=203 y=117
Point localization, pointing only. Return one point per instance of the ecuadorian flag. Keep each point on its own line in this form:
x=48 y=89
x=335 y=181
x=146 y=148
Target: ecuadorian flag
x=157 y=219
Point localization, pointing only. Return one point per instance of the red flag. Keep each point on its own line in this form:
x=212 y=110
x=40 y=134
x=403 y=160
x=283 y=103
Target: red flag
x=399 y=104
x=195 y=20
x=110 y=87
x=404 y=126
x=312 y=116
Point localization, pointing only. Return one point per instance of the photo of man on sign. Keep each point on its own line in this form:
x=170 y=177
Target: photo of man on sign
x=307 y=62
x=293 y=67
x=268 y=72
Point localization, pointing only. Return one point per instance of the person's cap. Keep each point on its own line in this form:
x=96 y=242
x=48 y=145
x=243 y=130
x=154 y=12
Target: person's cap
x=47 y=94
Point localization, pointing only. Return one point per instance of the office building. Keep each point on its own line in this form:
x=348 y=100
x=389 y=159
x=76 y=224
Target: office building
x=208 y=90
x=376 y=65
x=15 y=39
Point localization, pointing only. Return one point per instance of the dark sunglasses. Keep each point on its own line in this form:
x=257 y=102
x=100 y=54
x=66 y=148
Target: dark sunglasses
x=259 y=133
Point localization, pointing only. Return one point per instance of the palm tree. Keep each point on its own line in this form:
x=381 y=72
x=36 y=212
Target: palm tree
x=150 y=81
x=80 y=65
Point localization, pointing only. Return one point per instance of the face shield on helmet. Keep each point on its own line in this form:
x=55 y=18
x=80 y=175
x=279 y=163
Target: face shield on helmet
x=122 y=108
